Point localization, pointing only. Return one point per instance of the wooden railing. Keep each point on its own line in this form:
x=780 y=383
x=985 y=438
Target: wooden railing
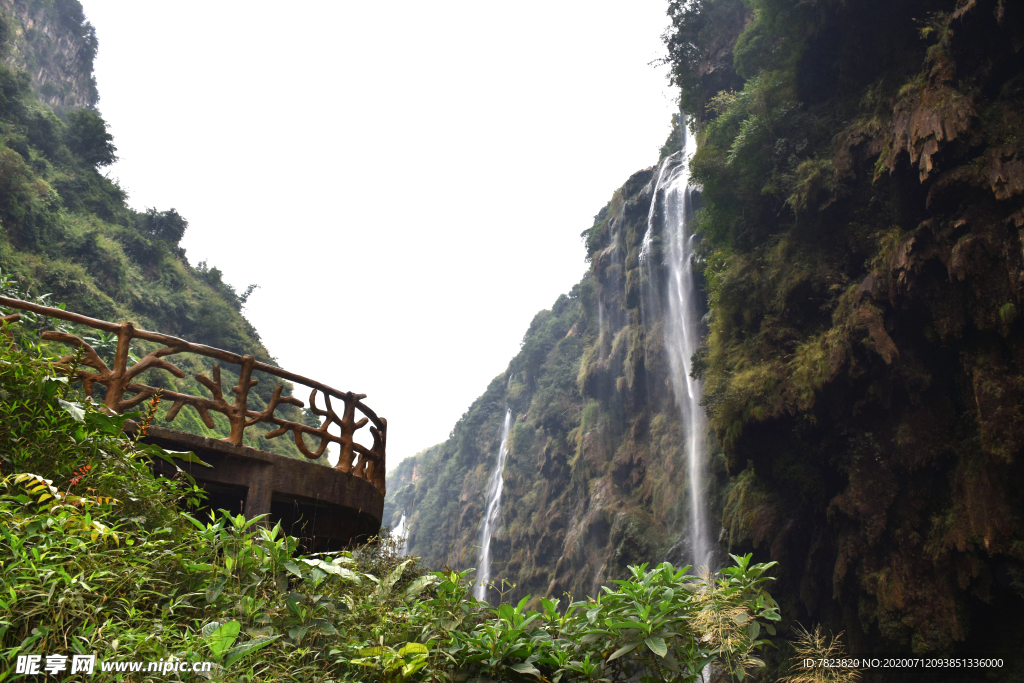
x=124 y=391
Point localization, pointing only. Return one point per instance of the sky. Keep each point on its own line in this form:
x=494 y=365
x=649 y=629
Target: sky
x=405 y=181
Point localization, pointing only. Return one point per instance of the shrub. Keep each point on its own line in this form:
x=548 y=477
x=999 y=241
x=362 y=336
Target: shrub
x=88 y=139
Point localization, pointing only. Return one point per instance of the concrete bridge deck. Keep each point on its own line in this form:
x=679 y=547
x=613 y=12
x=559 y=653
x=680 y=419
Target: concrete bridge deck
x=327 y=508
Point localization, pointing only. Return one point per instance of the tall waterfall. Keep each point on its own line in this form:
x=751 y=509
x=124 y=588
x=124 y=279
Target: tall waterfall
x=672 y=202
x=402 y=531
x=494 y=487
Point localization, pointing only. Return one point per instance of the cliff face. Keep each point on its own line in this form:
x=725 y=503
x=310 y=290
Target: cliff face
x=862 y=181
x=54 y=44
x=595 y=478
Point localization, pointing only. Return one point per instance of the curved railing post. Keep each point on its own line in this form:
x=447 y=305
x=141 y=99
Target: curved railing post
x=239 y=411
x=115 y=385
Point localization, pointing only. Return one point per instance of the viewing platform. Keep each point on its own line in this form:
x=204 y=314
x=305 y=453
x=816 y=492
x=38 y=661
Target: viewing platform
x=328 y=507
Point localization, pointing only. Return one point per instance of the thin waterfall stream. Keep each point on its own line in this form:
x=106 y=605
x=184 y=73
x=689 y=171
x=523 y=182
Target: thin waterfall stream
x=402 y=531
x=494 y=487
x=673 y=195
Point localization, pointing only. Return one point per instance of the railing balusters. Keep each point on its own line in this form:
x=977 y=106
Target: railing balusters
x=119 y=380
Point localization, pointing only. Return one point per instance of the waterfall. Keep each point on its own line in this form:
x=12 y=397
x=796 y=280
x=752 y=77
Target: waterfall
x=682 y=331
x=401 y=531
x=494 y=487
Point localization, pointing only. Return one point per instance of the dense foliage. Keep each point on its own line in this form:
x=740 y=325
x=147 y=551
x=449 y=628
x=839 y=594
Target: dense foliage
x=98 y=559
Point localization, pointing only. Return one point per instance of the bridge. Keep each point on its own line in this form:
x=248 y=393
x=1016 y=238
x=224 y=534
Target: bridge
x=327 y=507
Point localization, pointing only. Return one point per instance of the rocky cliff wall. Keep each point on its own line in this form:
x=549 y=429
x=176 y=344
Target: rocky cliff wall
x=52 y=42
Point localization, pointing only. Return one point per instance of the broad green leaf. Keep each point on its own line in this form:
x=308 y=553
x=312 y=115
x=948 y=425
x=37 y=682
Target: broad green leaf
x=451 y=624
x=625 y=649
x=414 y=666
x=331 y=568
x=187 y=456
x=293 y=568
x=75 y=410
x=195 y=522
x=384 y=589
x=413 y=649
x=418 y=585
x=247 y=648
x=657 y=645
x=214 y=591
x=222 y=638
x=350 y=575
x=362 y=662
x=107 y=424
x=292 y=600
x=50 y=385
x=526 y=668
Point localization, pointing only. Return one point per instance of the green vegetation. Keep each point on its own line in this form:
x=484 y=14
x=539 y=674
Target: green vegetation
x=98 y=559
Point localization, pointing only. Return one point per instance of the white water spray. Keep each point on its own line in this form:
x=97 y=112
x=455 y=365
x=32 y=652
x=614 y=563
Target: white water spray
x=682 y=331
x=494 y=487
x=645 y=248
x=402 y=531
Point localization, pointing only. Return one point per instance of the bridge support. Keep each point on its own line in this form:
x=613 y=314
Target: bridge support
x=326 y=507
x=261 y=493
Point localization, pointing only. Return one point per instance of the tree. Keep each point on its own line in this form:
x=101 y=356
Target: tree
x=88 y=139
x=699 y=44
x=162 y=225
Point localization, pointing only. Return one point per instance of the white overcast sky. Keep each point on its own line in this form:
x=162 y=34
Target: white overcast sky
x=406 y=181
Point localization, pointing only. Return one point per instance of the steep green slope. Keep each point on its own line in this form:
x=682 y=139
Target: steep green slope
x=67 y=231
x=862 y=177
